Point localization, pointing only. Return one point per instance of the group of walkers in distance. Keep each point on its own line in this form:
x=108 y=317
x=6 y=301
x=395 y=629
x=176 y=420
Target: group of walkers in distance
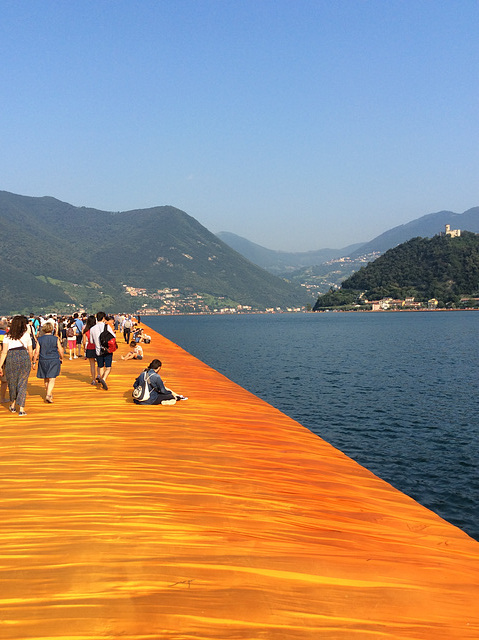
x=44 y=342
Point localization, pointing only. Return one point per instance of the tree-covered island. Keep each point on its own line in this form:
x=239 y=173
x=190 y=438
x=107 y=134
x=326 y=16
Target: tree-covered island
x=438 y=272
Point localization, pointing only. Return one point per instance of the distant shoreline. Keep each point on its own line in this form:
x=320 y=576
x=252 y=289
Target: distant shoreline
x=280 y=313
x=392 y=310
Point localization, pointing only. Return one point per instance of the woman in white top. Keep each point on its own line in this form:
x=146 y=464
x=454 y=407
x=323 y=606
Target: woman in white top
x=16 y=362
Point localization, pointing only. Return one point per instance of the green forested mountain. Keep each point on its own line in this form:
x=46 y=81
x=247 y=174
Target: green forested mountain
x=53 y=254
x=441 y=267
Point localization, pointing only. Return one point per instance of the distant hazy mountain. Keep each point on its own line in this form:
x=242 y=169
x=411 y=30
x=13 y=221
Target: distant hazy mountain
x=425 y=227
x=51 y=251
x=281 y=262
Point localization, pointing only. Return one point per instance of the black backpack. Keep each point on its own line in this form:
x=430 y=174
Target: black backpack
x=104 y=338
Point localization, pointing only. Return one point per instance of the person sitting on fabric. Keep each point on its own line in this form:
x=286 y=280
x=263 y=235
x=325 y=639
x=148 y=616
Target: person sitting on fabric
x=137 y=334
x=135 y=352
x=150 y=380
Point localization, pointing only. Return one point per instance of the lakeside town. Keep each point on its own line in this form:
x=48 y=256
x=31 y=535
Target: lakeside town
x=171 y=301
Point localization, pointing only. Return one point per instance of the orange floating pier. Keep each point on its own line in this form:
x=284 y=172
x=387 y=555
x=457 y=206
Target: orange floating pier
x=218 y=518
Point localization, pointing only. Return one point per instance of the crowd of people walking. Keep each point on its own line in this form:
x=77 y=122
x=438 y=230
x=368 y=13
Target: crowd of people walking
x=44 y=342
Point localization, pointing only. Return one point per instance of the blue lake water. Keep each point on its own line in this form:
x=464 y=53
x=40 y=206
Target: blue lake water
x=395 y=391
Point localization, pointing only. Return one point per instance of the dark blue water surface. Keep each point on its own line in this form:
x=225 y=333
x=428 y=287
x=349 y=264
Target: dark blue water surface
x=395 y=391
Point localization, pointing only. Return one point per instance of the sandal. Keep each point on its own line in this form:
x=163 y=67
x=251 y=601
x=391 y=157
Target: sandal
x=12 y=408
x=49 y=399
x=22 y=413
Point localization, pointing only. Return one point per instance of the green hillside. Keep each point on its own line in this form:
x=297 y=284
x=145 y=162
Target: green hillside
x=441 y=267
x=56 y=254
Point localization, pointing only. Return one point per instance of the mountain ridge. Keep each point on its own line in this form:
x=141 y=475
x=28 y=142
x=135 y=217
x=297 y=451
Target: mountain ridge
x=281 y=262
x=105 y=251
x=426 y=226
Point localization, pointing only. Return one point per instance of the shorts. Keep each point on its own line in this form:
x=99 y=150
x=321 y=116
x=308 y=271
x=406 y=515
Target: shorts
x=104 y=361
x=90 y=353
x=79 y=338
x=72 y=343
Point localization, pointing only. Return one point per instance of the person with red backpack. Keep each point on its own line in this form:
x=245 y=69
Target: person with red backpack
x=103 y=337
x=72 y=338
x=89 y=348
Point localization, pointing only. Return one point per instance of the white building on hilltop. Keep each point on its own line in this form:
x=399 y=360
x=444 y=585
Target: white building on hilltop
x=454 y=233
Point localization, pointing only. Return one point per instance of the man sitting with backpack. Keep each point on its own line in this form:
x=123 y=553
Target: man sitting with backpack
x=103 y=337
x=149 y=388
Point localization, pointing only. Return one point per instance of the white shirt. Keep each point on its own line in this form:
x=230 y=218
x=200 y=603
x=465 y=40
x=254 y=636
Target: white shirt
x=25 y=341
x=95 y=335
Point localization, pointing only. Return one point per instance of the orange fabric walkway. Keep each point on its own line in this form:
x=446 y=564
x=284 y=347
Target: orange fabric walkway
x=218 y=518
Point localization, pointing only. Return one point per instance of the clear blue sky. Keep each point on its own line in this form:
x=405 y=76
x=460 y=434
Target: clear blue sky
x=297 y=124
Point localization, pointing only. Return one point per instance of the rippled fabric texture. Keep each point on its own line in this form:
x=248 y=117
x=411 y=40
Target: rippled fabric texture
x=218 y=518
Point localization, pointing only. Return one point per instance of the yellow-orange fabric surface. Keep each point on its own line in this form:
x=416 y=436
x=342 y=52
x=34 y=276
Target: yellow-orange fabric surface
x=219 y=517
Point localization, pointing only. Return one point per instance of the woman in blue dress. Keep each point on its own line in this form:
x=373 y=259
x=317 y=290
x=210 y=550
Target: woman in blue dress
x=49 y=354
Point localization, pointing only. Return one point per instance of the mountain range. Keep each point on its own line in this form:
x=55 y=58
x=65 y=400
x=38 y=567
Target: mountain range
x=425 y=227
x=54 y=255
x=282 y=263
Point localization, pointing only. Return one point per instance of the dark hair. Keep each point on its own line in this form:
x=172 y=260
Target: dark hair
x=154 y=364
x=100 y=315
x=132 y=343
x=91 y=322
x=18 y=326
